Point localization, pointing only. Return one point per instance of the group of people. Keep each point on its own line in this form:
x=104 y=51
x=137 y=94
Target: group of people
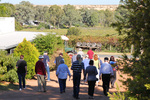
x=93 y=70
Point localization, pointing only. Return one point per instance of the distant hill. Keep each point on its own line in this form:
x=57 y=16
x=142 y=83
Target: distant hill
x=96 y=7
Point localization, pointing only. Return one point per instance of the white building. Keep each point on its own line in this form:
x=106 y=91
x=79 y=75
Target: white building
x=9 y=38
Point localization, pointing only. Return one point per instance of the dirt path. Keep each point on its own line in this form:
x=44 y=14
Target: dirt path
x=30 y=93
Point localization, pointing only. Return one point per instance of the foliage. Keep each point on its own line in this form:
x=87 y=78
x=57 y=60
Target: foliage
x=74 y=31
x=117 y=96
x=43 y=25
x=135 y=27
x=67 y=59
x=6 y=10
x=18 y=26
x=8 y=67
x=24 y=12
x=49 y=43
x=31 y=55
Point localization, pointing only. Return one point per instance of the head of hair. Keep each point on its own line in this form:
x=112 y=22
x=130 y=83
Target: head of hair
x=62 y=61
x=112 y=58
x=95 y=57
x=45 y=53
x=91 y=62
x=106 y=59
x=21 y=56
x=86 y=56
x=61 y=54
x=79 y=59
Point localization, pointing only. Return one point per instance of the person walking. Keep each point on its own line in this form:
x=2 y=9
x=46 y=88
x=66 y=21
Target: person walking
x=57 y=60
x=90 y=53
x=41 y=74
x=46 y=62
x=107 y=72
x=61 y=73
x=115 y=68
x=21 y=66
x=74 y=58
x=86 y=63
x=92 y=72
x=97 y=65
x=77 y=67
x=80 y=52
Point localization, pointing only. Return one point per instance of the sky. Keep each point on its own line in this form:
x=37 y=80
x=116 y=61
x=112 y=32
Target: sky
x=65 y=2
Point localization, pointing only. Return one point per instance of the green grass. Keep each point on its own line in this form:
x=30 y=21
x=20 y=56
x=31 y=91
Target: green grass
x=6 y=87
x=92 y=31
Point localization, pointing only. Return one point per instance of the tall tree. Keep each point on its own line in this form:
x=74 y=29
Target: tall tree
x=24 y=12
x=55 y=14
x=135 y=27
x=71 y=15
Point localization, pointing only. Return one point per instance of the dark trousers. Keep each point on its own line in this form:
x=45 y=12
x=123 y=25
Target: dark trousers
x=106 y=80
x=21 y=77
x=91 y=87
x=62 y=84
x=76 y=84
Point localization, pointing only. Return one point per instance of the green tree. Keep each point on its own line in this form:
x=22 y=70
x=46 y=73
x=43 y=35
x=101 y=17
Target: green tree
x=134 y=26
x=25 y=12
x=71 y=15
x=6 y=10
x=56 y=14
x=31 y=55
x=8 y=67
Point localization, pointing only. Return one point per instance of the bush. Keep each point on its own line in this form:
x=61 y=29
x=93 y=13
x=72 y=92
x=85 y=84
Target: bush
x=49 y=43
x=67 y=59
x=31 y=55
x=43 y=26
x=8 y=67
x=74 y=31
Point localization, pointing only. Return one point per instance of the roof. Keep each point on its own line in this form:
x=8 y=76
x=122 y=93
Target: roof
x=12 y=39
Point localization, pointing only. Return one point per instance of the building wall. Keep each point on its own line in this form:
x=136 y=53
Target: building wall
x=7 y=24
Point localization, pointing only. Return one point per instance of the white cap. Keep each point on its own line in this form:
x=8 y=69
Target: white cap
x=41 y=57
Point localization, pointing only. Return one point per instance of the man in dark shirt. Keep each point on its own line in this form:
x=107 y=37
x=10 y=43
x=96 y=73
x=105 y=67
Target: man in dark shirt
x=77 y=67
x=58 y=59
x=21 y=70
x=41 y=74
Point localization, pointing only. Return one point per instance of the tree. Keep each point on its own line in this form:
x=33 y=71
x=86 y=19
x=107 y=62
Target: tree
x=31 y=55
x=24 y=12
x=71 y=15
x=134 y=26
x=73 y=31
x=55 y=14
x=6 y=10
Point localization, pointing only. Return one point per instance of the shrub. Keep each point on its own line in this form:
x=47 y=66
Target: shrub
x=31 y=55
x=67 y=59
x=8 y=67
x=49 y=43
x=43 y=25
x=18 y=26
x=74 y=31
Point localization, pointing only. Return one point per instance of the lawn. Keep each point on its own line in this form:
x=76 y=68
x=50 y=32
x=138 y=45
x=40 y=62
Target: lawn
x=93 y=31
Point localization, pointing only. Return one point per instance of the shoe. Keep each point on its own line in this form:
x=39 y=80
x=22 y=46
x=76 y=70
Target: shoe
x=63 y=91
x=77 y=98
x=48 y=80
x=112 y=86
x=91 y=97
x=44 y=91
x=20 y=89
x=24 y=88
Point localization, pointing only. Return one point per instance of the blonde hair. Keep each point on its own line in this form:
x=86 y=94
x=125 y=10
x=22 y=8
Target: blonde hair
x=95 y=57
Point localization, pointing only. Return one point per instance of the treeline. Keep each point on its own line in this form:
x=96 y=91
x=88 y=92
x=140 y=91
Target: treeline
x=58 y=17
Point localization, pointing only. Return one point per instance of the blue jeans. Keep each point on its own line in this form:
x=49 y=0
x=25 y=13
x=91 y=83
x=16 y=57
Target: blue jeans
x=48 y=72
x=62 y=84
x=21 y=76
x=76 y=84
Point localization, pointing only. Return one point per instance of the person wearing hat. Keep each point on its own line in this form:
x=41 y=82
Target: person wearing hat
x=46 y=62
x=61 y=73
x=80 y=52
x=74 y=58
x=41 y=73
x=106 y=71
